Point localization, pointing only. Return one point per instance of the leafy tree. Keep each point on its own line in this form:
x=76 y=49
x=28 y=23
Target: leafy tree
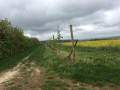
x=59 y=36
x=53 y=42
x=12 y=39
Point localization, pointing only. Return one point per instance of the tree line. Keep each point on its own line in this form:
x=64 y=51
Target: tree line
x=12 y=39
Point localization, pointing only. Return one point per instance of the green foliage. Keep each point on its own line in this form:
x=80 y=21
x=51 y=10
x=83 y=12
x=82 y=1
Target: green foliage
x=12 y=40
x=53 y=43
x=59 y=36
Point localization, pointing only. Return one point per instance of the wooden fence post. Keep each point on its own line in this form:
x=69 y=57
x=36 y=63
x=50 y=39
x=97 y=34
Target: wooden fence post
x=71 y=31
x=53 y=36
x=53 y=42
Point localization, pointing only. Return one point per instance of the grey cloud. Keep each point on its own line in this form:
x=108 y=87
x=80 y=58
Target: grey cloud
x=41 y=17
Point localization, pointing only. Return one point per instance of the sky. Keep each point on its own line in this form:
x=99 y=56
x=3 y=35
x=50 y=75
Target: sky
x=41 y=18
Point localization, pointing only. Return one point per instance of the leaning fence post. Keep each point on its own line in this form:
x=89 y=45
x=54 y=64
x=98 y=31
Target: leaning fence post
x=53 y=42
x=71 y=31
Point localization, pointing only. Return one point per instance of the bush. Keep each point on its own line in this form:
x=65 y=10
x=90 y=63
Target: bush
x=12 y=39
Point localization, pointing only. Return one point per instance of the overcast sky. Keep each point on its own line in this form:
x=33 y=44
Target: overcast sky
x=40 y=18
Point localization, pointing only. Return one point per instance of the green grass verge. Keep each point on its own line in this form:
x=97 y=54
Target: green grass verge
x=12 y=61
x=98 y=67
x=37 y=55
x=94 y=66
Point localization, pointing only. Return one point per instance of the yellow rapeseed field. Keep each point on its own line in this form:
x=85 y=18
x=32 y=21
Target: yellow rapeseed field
x=97 y=43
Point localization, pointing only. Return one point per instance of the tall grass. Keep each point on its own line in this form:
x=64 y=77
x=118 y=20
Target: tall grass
x=93 y=66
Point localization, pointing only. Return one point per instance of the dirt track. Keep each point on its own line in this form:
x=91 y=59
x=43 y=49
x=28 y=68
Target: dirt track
x=24 y=76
